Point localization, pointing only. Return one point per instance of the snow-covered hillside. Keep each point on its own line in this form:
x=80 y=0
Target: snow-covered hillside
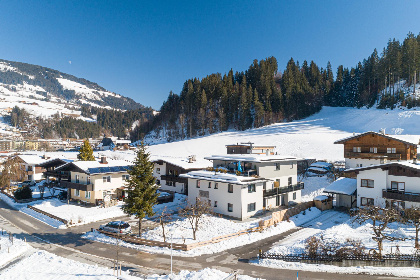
x=312 y=137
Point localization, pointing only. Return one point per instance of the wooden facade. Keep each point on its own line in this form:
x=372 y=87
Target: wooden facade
x=372 y=145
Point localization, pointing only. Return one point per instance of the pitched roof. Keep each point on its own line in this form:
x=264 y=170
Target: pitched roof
x=405 y=164
x=31 y=159
x=346 y=186
x=95 y=167
x=406 y=139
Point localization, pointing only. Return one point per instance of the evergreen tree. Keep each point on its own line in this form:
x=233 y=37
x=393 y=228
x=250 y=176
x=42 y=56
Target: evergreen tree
x=141 y=187
x=86 y=152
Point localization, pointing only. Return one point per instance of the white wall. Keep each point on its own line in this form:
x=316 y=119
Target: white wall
x=97 y=180
x=355 y=162
x=380 y=182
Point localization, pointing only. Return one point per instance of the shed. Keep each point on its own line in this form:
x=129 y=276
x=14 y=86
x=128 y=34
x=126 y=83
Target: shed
x=323 y=202
x=345 y=191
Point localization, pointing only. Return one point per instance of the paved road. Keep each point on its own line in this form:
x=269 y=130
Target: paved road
x=68 y=243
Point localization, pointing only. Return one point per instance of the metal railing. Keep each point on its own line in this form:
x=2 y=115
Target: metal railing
x=281 y=190
x=400 y=195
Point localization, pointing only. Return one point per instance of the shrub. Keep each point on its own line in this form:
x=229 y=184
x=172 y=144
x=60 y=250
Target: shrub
x=24 y=192
x=312 y=244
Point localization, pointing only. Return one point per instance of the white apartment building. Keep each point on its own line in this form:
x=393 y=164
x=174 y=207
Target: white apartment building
x=252 y=182
x=383 y=185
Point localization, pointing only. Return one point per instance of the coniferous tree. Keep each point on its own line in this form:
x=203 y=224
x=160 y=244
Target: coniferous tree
x=86 y=152
x=141 y=187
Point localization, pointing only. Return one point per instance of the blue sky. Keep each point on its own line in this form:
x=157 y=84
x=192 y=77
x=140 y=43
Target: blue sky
x=144 y=49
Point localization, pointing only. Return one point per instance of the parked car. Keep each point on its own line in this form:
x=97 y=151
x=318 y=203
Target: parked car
x=117 y=227
x=28 y=183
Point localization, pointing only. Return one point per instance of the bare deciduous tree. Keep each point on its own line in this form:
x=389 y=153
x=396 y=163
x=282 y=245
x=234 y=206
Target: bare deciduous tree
x=412 y=216
x=380 y=218
x=195 y=213
x=164 y=217
x=41 y=188
x=12 y=171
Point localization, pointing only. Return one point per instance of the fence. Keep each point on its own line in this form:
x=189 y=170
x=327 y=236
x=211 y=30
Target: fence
x=392 y=260
x=48 y=214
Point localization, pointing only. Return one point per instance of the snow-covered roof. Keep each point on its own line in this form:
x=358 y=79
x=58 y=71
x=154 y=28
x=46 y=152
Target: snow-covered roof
x=222 y=177
x=252 y=158
x=317 y=169
x=321 y=197
x=183 y=162
x=407 y=139
x=95 y=167
x=321 y=164
x=346 y=186
x=408 y=164
x=31 y=159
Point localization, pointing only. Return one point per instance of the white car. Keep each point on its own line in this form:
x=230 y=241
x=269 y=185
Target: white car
x=117 y=227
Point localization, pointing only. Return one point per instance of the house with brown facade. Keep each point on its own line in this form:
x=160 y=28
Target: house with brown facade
x=372 y=148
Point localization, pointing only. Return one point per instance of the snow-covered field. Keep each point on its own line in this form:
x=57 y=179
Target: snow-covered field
x=10 y=250
x=338 y=228
x=312 y=137
x=314 y=186
x=212 y=227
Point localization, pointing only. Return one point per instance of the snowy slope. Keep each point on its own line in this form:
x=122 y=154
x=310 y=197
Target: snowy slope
x=312 y=137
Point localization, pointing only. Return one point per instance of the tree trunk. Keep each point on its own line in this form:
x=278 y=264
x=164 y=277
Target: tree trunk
x=416 y=242
x=140 y=227
x=414 y=86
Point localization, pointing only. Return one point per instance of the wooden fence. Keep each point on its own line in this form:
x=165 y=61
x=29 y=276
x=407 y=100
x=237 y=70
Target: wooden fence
x=48 y=214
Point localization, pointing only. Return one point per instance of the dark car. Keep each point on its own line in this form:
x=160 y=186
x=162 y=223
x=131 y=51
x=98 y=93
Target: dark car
x=117 y=227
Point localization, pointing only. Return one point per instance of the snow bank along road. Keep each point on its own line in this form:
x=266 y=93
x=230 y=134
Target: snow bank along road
x=68 y=243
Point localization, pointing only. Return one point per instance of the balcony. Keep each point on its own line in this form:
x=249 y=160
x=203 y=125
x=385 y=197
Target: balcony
x=401 y=195
x=77 y=186
x=282 y=190
x=373 y=155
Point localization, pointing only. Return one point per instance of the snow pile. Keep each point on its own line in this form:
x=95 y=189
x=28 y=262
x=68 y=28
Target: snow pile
x=10 y=251
x=213 y=227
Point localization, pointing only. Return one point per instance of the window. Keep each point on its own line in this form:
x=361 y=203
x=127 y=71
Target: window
x=215 y=203
x=373 y=150
x=209 y=185
x=277 y=166
x=251 y=188
x=366 y=183
x=170 y=172
x=357 y=149
x=294 y=196
x=391 y=150
x=125 y=177
x=198 y=183
x=230 y=207
x=364 y=201
x=77 y=192
x=87 y=194
x=291 y=166
x=216 y=185
x=251 y=207
x=289 y=181
x=230 y=188
x=77 y=179
x=158 y=170
x=398 y=186
x=106 y=179
x=88 y=180
x=170 y=183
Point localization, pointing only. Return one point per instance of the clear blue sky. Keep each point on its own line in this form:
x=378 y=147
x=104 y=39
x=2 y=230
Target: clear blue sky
x=144 y=49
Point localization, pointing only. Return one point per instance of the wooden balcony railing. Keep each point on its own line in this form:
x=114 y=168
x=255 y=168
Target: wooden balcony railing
x=77 y=186
x=401 y=195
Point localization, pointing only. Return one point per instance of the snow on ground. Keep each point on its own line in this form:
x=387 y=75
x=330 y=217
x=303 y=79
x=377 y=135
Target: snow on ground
x=312 y=137
x=10 y=251
x=47 y=266
x=212 y=227
x=314 y=186
x=338 y=227
x=76 y=214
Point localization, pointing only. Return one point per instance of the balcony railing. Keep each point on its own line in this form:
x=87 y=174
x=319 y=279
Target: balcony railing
x=401 y=195
x=77 y=186
x=373 y=155
x=281 y=190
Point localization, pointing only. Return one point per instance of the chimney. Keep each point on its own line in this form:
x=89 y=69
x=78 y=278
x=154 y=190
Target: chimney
x=190 y=159
x=267 y=152
x=103 y=160
x=193 y=157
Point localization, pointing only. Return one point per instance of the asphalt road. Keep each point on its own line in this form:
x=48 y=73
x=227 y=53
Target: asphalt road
x=68 y=243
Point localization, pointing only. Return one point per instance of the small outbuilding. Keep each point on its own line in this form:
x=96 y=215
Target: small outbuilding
x=323 y=202
x=345 y=191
